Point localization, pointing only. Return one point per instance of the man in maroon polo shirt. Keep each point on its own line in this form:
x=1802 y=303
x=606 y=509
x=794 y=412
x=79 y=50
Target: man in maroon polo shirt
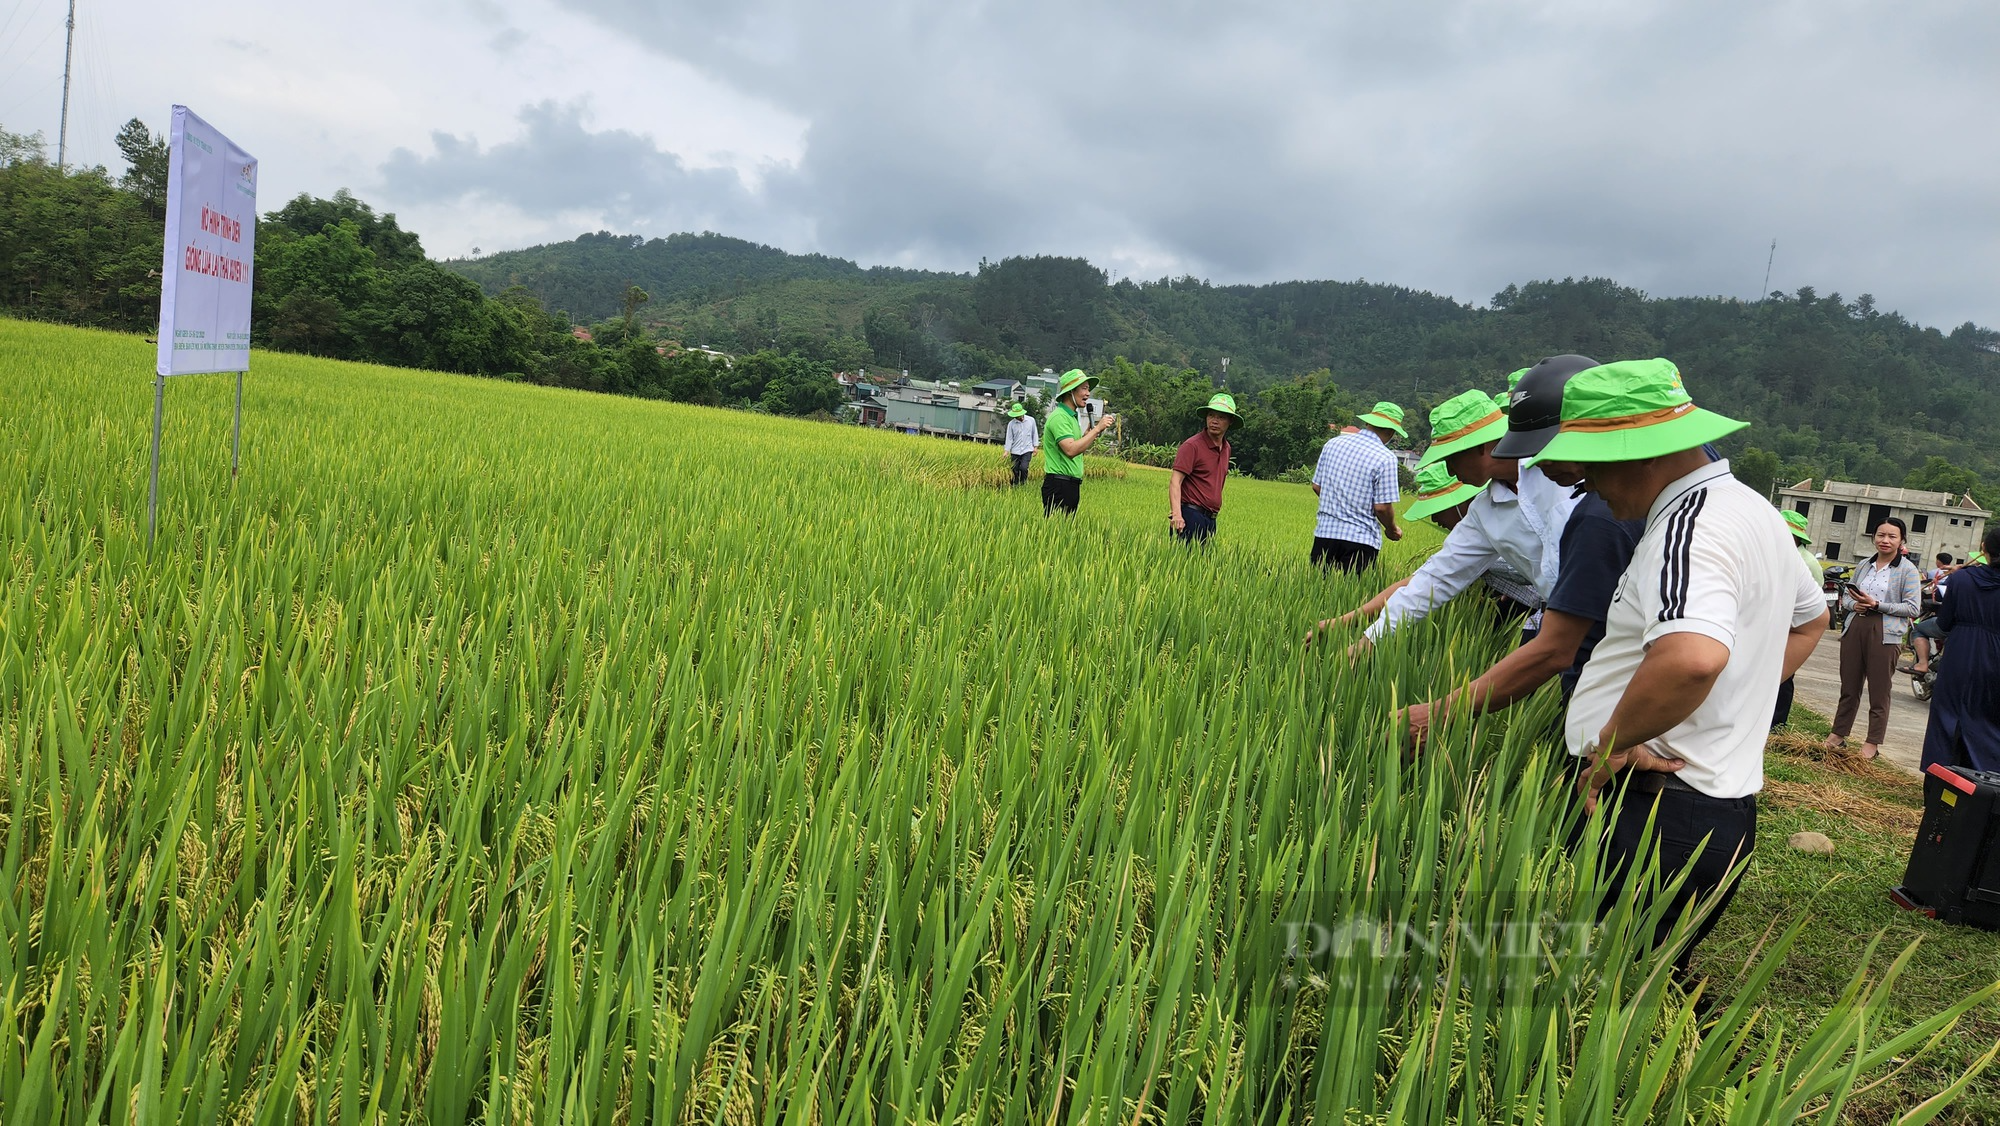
x=1194 y=490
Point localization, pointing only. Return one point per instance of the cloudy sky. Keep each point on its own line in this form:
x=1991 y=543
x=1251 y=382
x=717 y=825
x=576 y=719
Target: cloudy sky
x=1450 y=145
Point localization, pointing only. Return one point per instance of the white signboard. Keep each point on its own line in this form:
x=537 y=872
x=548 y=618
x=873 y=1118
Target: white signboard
x=211 y=245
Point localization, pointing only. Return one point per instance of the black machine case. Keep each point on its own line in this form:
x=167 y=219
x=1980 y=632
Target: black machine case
x=1954 y=871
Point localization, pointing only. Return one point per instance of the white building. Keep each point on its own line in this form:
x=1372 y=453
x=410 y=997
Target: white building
x=1842 y=516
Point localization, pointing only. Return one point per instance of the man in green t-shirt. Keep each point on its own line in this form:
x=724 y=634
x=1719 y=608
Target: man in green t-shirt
x=1063 y=441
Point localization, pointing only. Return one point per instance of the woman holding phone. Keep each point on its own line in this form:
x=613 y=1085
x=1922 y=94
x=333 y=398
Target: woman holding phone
x=1883 y=596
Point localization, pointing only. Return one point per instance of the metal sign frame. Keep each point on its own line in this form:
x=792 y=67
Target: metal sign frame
x=159 y=418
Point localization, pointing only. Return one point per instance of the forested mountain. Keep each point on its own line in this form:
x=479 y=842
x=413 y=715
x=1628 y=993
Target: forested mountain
x=589 y=276
x=1834 y=387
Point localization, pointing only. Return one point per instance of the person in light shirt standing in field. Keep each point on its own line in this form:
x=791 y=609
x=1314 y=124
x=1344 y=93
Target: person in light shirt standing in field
x=1357 y=487
x=1022 y=438
x=1714 y=611
x=1064 y=441
x=1442 y=499
x=1194 y=488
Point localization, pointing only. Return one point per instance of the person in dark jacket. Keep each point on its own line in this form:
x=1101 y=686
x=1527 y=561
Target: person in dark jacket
x=1965 y=705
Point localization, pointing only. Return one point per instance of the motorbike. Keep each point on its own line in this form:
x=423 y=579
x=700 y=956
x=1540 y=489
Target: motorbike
x=1923 y=683
x=1836 y=575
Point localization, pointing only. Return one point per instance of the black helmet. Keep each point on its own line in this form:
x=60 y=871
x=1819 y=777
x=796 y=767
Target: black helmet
x=1535 y=409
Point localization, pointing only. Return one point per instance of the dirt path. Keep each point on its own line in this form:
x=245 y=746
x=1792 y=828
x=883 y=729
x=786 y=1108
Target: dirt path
x=1818 y=685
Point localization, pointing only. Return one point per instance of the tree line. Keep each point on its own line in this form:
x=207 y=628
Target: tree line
x=335 y=278
x=1835 y=387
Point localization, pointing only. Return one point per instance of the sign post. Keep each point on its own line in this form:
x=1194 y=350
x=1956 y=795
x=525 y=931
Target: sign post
x=205 y=279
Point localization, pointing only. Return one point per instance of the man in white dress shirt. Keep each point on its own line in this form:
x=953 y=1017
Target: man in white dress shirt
x=1596 y=548
x=1518 y=520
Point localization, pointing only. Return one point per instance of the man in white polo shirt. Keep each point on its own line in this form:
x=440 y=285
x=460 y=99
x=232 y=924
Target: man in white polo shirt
x=1713 y=612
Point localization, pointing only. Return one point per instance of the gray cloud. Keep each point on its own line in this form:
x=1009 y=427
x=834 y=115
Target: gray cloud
x=1453 y=145
x=559 y=165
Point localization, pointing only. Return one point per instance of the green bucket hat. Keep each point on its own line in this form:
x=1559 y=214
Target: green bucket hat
x=1438 y=490
x=1461 y=422
x=1222 y=402
x=1513 y=381
x=1071 y=380
x=1798 y=522
x=1017 y=411
x=1629 y=411
x=1386 y=415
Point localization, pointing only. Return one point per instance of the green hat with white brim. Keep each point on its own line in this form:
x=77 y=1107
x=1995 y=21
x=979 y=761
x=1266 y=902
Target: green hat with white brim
x=1071 y=380
x=1222 y=402
x=1385 y=416
x=1462 y=422
x=1438 y=490
x=1631 y=410
x=1797 y=520
x=1017 y=411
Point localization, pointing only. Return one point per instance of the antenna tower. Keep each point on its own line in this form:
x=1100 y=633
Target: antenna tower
x=62 y=134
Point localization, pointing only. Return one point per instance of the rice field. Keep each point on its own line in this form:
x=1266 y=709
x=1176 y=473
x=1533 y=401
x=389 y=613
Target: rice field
x=490 y=753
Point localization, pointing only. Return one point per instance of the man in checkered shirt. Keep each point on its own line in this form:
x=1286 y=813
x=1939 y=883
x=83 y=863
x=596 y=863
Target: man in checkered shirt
x=1356 y=483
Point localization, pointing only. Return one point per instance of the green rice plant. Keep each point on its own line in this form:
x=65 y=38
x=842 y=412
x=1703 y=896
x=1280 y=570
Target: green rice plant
x=488 y=753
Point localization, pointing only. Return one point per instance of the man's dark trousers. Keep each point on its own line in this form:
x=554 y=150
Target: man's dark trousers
x=1685 y=817
x=1060 y=494
x=1021 y=466
x=1344 y=554
x=1200 y=524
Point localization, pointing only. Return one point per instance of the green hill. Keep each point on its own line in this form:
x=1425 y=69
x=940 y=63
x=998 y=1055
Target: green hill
x=588 y=276
x=1834 y=387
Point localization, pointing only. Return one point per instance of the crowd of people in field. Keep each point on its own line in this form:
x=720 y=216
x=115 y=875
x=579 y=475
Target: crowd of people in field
x=1671 y=603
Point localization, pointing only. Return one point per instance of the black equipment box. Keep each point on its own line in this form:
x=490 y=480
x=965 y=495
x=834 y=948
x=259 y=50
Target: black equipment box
x=1954 y=872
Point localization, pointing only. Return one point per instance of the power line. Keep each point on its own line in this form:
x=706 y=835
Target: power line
x=26 y=59
x=97 y=105
x=8 y=23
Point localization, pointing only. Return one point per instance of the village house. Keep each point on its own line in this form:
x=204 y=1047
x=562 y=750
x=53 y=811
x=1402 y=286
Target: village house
x=1842 y=516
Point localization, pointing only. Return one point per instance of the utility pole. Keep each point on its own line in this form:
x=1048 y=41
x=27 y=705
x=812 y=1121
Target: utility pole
x=1766 y=291
x=62 y=134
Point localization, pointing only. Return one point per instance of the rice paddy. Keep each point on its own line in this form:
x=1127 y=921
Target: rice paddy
x=490 y=753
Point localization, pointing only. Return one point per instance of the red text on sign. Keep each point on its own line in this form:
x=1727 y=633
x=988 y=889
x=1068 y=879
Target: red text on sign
x=198 y=261
x=216 y=223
